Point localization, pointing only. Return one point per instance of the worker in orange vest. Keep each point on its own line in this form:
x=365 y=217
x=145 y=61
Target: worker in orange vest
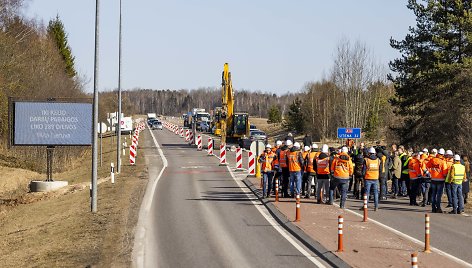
x=295 y=166
x=309 y=172
x=322 y=166
x=276 y=165
x=341 y=169
x=283 y=166
x=426 y=179
x=416 y=173
x=266 y=160
x=371 y=172
x=437 y=169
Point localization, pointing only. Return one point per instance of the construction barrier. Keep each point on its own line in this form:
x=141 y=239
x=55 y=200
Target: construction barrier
x=223 y=155
x=112 y=173
x=340 y=233
x=210 y=147
x=239 y=159
x=181 y=132
x=297 y=208
x=176 y=130
x=191 y=139
x=199 y=143
x=187 y=135
x=414 y=260
x=365 y=208
x=132 y=154
x=427 y=248
x=276 y=189
x=251 y=164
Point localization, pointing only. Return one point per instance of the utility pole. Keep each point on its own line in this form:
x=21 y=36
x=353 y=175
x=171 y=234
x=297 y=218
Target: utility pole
x=95 y=114
x=118 y=131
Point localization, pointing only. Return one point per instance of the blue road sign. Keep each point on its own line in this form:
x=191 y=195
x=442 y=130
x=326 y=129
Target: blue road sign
x=349 y=133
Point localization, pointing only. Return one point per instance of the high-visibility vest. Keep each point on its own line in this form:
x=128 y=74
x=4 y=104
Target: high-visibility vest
x=322 y=166
x=283 y=159
x=384 y=161
x=372 y=169
x=405 y=163
x=449 y=162
x=293 y=163
x=276 y=160
x=436 y=167
x=304 y=154
x=341 y=168
x=414 y=168
x=459 y=172
x=309 y=162
x=267 y=163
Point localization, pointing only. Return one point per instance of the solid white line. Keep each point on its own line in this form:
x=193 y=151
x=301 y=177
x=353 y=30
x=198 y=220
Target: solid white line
x=138 y=248
x=414 y=240
x=265 y=213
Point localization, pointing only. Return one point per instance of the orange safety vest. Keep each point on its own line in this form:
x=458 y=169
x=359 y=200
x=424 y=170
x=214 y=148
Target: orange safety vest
x=267 y=164
x=276 y=161
x=341 y=168
x=414 y=169
x=436 y=167
x=322 y=166
x=293 y=163
x=449 y=163
x=372 y=169
x=282 y=160
x=309 y=162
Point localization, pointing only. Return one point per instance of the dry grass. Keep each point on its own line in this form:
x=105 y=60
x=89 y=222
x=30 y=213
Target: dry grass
x=58 y=229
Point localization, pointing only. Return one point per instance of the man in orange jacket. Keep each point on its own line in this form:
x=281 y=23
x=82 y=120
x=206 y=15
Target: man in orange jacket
x=266 y=160
x=437 y=169
x=416 y=173
x=371 y=172
x=341 y=170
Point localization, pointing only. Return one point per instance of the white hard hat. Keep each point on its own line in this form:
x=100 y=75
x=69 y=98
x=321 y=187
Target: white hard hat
x=314 y=146
x=306 y=148
x=288 y=142
x=441 y=151
x=372 y=150
x=425 y=150
x=324 y=148
x=457 y=157
x=344 y=149
x=296 y=144
x=278 y=143
x=268 y=146
x=449 y=152
x=420 y=153
x=435 y=151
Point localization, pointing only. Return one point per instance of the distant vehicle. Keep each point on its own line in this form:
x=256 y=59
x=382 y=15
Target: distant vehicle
x=150 y=121
x=156 y=125
x=258 y=135
x=252 y=127
x=151 y=115
x=126 y=125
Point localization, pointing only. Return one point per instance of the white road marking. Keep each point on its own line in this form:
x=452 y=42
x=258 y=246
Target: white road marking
x=265 y=213
x=414 y=240
x=138 y=249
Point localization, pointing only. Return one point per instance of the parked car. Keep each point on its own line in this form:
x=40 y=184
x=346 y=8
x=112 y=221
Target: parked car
x=156 y=125
x=257 y=134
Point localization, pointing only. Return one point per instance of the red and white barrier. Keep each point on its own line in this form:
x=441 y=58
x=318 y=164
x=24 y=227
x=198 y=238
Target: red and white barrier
x=199 y=143
x=132 y=155
x=223 y=155
x=252 y=164
x=176 y=130
x=191 y=139
x=239 y=159
x=187 y=135
x=181 y=132
x=210 y=147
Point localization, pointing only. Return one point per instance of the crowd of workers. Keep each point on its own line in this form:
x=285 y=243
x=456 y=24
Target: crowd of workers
x=420 y=175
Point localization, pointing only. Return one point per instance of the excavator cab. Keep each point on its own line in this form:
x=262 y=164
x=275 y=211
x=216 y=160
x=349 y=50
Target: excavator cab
x=240 y=125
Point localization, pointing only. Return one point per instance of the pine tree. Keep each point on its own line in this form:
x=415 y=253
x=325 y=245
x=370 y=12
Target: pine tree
x=434 y=53
x=274 y=114
x=57 y=32
x=296 y=118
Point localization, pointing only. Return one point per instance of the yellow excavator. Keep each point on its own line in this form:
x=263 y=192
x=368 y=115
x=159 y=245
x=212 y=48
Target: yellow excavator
x=229 y=124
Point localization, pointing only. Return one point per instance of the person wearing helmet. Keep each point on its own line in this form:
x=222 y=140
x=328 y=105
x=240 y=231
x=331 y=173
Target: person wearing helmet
x=437 y=168
x=289 y=137
x=309 y=174
x=371 y=172
x=416 y=173
x=276 y=164
x=305 y=174
x=341 y=170
x=456 y=176
x=449 y=158
x=295 y=166
x=322 y=166
x=283 y=167
x=266 y=160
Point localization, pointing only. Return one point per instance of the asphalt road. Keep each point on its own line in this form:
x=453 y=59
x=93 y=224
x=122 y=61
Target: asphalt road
x=449 y=233
x=200 y=217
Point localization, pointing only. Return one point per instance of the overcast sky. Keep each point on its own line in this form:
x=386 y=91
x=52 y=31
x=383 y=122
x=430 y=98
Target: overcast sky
x=270 y=45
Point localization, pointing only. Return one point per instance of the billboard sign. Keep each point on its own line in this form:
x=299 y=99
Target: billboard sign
x=349 y=133
x=51 y=123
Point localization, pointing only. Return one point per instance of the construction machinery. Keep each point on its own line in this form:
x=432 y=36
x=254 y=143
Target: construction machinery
x=231 y=125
